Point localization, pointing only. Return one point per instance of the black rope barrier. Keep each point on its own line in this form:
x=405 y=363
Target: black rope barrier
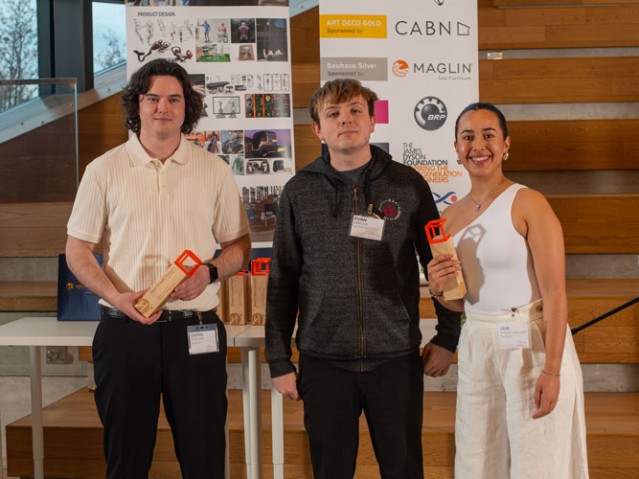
x=604 y=316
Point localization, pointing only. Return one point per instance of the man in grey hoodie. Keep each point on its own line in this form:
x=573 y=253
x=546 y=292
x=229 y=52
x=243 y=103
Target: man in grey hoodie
x=345 y=269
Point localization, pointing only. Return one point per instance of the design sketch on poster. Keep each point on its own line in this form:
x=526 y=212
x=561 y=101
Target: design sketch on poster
x=238 y=60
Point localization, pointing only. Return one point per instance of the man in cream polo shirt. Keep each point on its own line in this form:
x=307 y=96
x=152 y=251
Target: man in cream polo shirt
x=146 y=201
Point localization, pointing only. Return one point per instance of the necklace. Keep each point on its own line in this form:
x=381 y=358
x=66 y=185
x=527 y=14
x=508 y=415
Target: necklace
x=478 y=205
x=489 y=197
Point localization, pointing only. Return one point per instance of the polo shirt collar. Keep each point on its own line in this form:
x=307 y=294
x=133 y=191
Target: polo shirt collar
x=139 y=156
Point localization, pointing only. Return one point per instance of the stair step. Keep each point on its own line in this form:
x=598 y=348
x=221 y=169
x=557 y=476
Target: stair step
x=73 y=439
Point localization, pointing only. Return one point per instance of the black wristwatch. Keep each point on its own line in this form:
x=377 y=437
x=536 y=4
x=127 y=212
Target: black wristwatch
x=212 y=272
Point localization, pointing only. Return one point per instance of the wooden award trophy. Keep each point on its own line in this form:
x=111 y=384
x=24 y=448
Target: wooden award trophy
x=155 y=297
x=259 y=283
x=442 y=243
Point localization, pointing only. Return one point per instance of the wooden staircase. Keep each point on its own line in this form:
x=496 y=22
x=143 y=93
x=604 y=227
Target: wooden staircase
x=73 y=439
x=73 y=433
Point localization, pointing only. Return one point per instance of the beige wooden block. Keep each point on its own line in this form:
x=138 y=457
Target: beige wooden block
x=238 y=288
x=260 y=268
x=259 y=285
x=222 y=306
x=155 y=297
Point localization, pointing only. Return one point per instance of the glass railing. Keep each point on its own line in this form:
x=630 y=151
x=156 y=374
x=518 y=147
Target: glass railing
x=38 y=141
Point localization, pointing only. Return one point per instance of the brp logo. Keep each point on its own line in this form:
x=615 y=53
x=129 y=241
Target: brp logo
x=400 y=68
x=430 y=113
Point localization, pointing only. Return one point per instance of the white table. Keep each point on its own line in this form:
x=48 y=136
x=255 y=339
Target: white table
x=36 y=332
x=250 y=341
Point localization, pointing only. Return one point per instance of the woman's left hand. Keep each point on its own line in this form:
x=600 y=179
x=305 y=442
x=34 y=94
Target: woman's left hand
x=546 y=394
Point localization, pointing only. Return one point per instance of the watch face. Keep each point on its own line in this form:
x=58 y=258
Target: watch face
x=212 y=272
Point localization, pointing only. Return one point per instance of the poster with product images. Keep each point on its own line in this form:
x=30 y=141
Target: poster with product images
x=421 y=58
x=237 y=53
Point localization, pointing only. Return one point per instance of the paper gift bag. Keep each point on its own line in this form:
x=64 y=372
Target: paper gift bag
x=442 y=243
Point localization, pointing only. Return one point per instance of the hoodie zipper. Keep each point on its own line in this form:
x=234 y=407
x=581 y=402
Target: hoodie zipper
x=360 y=289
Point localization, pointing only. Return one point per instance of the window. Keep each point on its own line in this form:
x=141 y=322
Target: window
x=109 y=35
x=44 y=47
x=19 y=52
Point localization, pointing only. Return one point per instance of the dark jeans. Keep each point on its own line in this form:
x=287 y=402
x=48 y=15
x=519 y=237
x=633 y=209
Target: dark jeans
x=391 y=397
x=135 y=365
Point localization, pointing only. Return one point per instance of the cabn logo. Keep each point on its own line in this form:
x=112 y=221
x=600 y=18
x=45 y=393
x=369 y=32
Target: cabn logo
x=430 y=28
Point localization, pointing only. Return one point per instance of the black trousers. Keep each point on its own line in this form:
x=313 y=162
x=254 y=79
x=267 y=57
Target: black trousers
x=135 y=365
x=391 y=397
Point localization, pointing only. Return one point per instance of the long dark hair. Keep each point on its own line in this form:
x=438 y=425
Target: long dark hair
x=484 y=106
x=140 y=83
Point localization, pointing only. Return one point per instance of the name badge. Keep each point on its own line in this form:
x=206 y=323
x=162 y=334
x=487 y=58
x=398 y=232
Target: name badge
x=203 y=339
x=514 y=336
x=367 y=227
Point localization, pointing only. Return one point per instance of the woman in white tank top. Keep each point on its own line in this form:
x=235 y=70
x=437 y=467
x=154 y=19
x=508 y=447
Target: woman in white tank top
x=520 y=394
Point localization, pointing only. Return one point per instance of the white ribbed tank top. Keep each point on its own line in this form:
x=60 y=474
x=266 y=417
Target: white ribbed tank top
x=496 y=261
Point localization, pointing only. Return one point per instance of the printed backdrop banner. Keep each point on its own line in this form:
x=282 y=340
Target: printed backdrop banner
x=420 y=57
x=238 y=55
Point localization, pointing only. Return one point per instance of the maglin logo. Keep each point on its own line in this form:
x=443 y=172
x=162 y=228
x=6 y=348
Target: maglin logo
x=400 y=68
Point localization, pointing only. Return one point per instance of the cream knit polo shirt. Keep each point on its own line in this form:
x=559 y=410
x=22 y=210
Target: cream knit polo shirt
x=146 y=213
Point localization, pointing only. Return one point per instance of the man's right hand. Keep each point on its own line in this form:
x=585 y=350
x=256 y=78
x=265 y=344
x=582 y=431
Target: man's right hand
x=125 y=304
x=85 y=267
x=287 y=386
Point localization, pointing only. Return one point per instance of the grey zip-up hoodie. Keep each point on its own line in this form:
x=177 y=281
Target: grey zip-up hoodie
x=358 y=299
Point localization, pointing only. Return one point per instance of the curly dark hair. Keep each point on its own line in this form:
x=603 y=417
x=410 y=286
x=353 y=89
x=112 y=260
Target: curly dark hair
x=141 y=81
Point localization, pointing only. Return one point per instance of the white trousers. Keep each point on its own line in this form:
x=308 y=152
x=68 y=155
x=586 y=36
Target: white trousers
x=495 y=435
